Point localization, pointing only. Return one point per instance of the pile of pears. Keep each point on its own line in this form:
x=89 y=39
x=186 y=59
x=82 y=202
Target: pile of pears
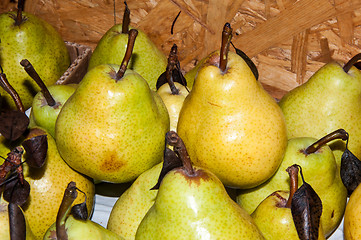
x=208 y=154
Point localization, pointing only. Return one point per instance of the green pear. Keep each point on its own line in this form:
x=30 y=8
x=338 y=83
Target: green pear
x=192 y=203
x=329 y=100
x=275 y=220
x=129 y=210
x=112 y=128
x=321 y=171
x=24 y=35
x=4 y=223
x=352 y=220
x=231 y=125
x=147 y=59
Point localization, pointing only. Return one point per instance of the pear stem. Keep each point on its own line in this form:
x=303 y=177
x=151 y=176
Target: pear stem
x=338 y=134
x=226 y=39
x=128 y=54
x=174 y=140
x=126 y=19
x=293 y=173
x=351 y=62
x=19 y=16
x=34 y=75
x=172 y=61
x=69 y=197
x=11 y=91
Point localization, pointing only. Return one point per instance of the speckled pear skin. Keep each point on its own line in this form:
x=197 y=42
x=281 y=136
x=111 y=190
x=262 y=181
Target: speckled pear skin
x=47 y=186
x=83 y=230
x=147 y=59
x=352 y=220
x=195 y=207
x=112 y=131
x=276 y=222
x=320 y=171
x=231 y=125
x=4 y=223
x=329 y=100
x=41 y=44
x=131 y=207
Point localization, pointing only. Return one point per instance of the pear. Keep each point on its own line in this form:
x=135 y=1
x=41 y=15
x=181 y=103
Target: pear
x=4 y=223
x=71 y=228
x=319 y=168
x=24 y=35
x=147 y=59
x=192 y=203
x=112 y=128
x=230 y=124
x=48 y=102
x=352 y=220
x=329 y=100
x=131 y=207
x=274 y=217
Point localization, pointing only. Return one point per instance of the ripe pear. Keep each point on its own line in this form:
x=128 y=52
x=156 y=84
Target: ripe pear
x=24 y=35
x=47 y=185
x=119 y=120
x=329 y=100
x=352 y=219
x=320 y=170
x=130 y=208
x=4 y=223
x=147 y=59
x=231 y=125
x=275 y=220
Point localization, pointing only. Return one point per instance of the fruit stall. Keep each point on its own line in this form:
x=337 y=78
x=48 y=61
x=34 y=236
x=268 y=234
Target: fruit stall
x=263 y=82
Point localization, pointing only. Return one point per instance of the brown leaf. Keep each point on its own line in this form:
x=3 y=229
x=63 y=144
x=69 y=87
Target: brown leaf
x=16 y=222
x=80 y=211
x=306 y=208
x=36 y=150
x=350 y=171
x=13 y=124
x=16 y=193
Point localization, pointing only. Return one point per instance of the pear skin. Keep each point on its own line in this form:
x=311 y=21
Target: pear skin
x=131 y=207
x=231 y=125
x=195 y=207
x=47 y=188
x=147 y=59
x=37 y=41
x=112 y=130
x=329 y=100
x=352 y=220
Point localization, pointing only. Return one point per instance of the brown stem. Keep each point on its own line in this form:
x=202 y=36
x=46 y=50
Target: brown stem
x=11 y=91
x=126 y=19
x=69 y=197
x=338 y=134
x=351 y=62
x=19 y=16
x=174 y=140
x=293 y=173
x=128 y=54
x=34 y=75
x=226 y=39
x=172 y=61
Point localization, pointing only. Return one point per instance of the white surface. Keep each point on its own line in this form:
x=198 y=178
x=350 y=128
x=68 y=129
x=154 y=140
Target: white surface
x=103 y=207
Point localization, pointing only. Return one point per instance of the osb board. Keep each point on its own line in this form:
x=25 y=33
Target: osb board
x=287 y=39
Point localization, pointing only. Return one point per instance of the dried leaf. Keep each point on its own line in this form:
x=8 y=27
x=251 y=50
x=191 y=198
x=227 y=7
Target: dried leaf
x=16 y=193
x=80 y=211
x=177 y=76
x=171 y=161
x=249 y=62
x=16 y=222
x=13 y=124
x=306 y=208
x=350 y=171
x=36 y=150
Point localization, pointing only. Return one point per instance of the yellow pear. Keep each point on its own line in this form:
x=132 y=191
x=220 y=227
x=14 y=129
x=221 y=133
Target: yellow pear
x=352 y=218
x=231 y=125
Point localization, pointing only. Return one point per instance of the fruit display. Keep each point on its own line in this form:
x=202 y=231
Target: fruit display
x=180 y=119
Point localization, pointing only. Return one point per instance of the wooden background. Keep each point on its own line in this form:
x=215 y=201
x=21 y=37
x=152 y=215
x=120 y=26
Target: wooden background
x=287 y=39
